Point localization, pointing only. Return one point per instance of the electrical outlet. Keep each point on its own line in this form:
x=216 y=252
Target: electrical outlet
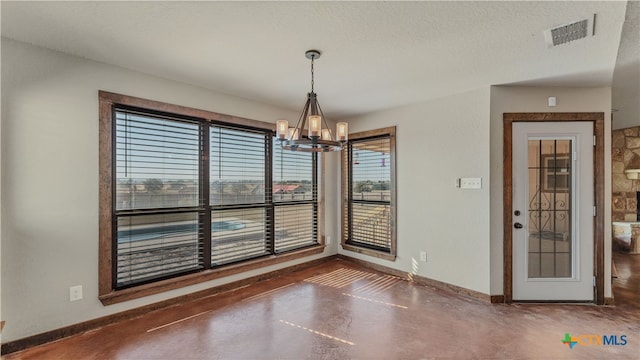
x=327 y=240
x=423 y=256
x=75 y=293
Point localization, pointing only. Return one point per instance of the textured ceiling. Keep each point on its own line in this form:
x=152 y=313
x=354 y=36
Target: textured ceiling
x=376 y=55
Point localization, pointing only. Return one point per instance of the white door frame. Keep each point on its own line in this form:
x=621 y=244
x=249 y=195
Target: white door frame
x=598 y=129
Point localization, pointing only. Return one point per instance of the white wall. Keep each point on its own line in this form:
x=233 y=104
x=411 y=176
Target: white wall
x=534 y=99
x=437 y=142
x=50 y=181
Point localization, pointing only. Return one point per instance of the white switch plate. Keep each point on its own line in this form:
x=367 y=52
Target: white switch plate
x=423 y=256
x=75 y=293
x=471 y=183
x=551 y=101
x=328 y=240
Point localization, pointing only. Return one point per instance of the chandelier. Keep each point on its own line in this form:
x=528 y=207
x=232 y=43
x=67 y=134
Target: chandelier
x=311 y=133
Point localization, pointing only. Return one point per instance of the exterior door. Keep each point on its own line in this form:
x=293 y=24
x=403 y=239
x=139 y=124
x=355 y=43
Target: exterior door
x=553 y=216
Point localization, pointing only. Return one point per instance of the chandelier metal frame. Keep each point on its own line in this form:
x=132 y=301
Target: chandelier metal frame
x=311 y=133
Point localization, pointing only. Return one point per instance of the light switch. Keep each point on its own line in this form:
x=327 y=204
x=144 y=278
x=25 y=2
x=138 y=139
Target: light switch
x=552 y=101
x=471 y=183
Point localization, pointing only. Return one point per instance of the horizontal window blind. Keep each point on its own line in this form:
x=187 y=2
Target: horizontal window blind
x=157 y=161
x=369 y=206
x=294 y=198
x=240 y=222
x=370 y=225
x=191 y=194
x=151 y=247
x=292 y=175
x=296 y=226
x=157 y=197
x=238 y=234
x=237 y=166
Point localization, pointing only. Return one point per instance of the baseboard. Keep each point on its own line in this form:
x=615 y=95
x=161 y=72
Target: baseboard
x=425 y=281
x=79 y=328
x=497 y=299
x=609 y=301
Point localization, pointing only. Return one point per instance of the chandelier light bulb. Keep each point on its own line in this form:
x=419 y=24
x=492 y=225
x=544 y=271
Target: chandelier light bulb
x=293 y=134
x=342 y=131
x=315 y=125
x=326 y=134
x=282 y=129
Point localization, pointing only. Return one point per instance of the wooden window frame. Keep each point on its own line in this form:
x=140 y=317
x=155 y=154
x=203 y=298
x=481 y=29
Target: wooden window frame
x=106 y=292
x=389 y=132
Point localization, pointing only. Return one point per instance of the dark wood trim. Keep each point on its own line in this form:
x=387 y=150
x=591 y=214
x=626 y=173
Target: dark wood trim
x=609 y=301
x=507 y=214
x=597 y=118
x=370 y=252
x=497 y=299
x=421 y=280
x=554 y=116
x=57 y=334
x=554 y=302
x=344 y=196
x=375 y=132
x=599 y=176
x=393 y=191
x=105 y=195
x=321 y=200
x=344 y=170
x=183 y=110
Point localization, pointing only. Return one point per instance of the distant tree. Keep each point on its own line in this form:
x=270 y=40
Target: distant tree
x=381 y=185
x=363 y=186
x=153 y=185
x=238 y=188
x=178 y=184
x=125 y=182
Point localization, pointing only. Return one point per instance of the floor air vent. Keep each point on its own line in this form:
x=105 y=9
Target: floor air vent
x=566 y=33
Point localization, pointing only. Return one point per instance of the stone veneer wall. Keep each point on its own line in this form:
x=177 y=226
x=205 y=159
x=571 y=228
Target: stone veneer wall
x=624 y=144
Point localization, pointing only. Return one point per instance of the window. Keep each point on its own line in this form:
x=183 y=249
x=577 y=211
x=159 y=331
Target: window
x=295 y=198
x=557 y=172
x=186 y=197
x=368 y=183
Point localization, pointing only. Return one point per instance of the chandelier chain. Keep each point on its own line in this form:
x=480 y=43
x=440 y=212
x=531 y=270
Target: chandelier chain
x=312 y=58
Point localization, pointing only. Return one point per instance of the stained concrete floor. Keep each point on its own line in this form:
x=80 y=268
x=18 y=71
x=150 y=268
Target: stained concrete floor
x=339 y=310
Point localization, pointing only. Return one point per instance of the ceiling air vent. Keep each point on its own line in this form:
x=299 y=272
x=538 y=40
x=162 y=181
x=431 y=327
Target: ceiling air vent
x=566 y=33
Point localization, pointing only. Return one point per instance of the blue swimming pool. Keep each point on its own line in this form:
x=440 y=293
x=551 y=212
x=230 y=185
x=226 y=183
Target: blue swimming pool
x=154 y=232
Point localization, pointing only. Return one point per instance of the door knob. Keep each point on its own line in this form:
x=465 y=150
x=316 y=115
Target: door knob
x=517 y=225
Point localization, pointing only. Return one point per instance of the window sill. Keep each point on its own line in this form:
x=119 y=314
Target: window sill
x=118 y=296
x=369 y=252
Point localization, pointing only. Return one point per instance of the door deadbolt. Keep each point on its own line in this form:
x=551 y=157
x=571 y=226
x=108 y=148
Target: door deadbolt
x=517 y=225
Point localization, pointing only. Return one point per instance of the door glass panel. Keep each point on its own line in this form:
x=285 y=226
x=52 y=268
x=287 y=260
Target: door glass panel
x=550 y=192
